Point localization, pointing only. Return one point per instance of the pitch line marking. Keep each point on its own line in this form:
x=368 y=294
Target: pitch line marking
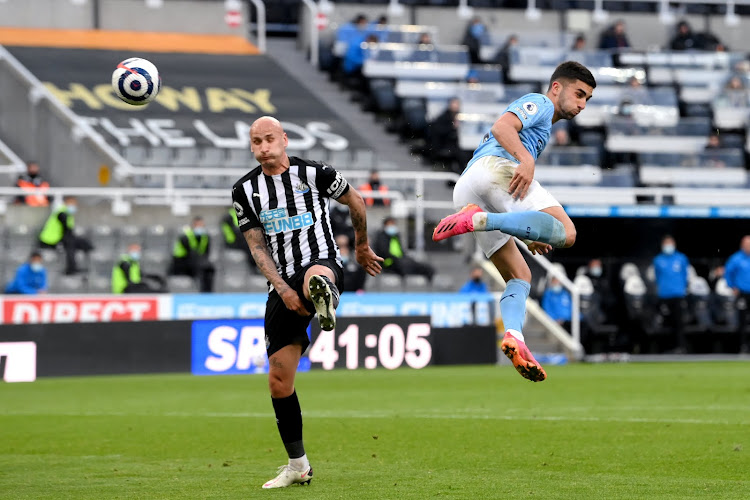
x=377 y=415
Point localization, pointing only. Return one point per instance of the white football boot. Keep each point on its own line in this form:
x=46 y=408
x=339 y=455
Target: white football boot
x=288 y=476
x=325 y=296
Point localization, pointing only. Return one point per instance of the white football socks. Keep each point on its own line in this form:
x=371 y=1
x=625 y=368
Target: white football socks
x=301 y=464
x=516 y=334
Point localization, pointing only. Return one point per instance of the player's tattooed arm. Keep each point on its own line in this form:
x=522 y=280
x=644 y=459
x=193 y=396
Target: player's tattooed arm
x=256 y=240
x=358 y=213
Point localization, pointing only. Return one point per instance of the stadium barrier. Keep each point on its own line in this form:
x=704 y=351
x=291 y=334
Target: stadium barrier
x=231 y=346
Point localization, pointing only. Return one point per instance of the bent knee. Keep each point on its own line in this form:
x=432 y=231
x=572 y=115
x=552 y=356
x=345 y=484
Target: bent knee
x=280 y=388
x=570 y=236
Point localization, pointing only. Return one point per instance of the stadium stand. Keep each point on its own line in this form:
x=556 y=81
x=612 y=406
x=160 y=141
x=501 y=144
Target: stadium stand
x=639 y=148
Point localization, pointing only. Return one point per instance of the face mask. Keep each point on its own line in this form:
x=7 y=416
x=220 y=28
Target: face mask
x=556 y=288
x=391 y=230
x=71 y=209
x=595 y=271
x=668 y=249
x=476 y=280
x=199 y=231
x=345 y=259
x=375 y=184
x=36 y=266
x=135 y=255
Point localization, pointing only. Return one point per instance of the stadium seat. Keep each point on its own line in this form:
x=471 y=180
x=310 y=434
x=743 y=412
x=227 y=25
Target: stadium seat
x=181 y=284
x=231 y=283
x=699 y=302
x=104 y=238
x=99 y=284
x=130 y=234
x=416 y=283
x=211 y=158
x=724 y=309
x=75 y=283
x=444 y=283
x=157 y=237
x=21 y=239
x=101 y=262
x=237 y=157
x=185 y=157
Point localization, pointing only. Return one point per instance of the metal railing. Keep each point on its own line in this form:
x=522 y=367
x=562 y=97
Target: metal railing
x=38 y=124
x=260 y=8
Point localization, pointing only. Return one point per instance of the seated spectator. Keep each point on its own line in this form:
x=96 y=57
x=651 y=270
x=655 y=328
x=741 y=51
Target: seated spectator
x=475 y=31
x=734 y=94
x=30 y=278
x=557 y=303
x=614 y=37
x=127 y=276
x=388 y=245
x=36 y=186
x=579 y=44
x=686 y=39
x=425 y=39
x=380 y=24
x=190 y=255
x=354 y=274
x=233 y=237
x=712 y=154
x=560 y=136
x=373 y=185
x=442 y=138
x=60 y=229
x=475 y=283
x=341 y=223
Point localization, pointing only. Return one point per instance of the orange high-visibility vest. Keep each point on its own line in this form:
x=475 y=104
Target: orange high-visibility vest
x=36 y=198
x=367 y=188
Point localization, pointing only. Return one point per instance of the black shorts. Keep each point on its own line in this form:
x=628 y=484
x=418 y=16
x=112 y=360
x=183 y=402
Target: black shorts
x=285 y=327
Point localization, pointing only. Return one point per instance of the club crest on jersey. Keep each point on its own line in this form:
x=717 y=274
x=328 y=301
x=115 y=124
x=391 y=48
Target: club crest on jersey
x=301 y=188
x=530 y=107
x=278 y=221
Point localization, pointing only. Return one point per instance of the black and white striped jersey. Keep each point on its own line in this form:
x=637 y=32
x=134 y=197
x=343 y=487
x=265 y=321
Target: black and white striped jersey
x=292 y=208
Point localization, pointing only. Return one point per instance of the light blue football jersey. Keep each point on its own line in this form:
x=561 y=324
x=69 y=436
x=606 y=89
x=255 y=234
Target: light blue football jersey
x=535 y=112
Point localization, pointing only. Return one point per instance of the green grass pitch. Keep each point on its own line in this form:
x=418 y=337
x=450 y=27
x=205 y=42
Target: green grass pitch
x=631 y=431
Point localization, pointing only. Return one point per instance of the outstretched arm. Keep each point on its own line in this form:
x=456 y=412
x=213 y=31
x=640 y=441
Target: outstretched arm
x=256 y=240
x=365 y=256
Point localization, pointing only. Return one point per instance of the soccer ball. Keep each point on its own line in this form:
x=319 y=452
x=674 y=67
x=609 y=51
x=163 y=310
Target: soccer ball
x=136 y=81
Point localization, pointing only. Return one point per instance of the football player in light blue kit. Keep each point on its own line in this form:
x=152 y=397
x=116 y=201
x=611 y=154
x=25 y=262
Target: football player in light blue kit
x=501 y=199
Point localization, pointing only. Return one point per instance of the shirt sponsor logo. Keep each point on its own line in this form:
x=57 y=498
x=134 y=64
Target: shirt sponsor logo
x=338 y=186
x=277 y=221
x=78 y=310
x=530 y=107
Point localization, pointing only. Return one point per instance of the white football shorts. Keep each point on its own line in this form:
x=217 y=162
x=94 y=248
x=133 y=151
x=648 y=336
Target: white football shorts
x=485 y=184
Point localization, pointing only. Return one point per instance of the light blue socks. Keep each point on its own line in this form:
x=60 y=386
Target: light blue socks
x=513 y=304
x=534 y=226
